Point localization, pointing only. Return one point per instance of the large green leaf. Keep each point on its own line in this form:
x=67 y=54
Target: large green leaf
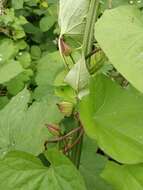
x=106 y=4
x=47 y=22
x=113 y=116
x=22 y=127
x=124 y=177
x=91 y=166
x=22 y=171
x=120 y=34
x=72 y=16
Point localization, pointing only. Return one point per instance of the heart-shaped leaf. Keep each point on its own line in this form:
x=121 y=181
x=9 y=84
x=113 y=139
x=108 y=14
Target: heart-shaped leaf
x=19 y=170
x=22 y=127
x=113 y=116
x=119 y=32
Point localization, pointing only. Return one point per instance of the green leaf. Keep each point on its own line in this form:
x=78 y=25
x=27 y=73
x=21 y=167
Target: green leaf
x=3 y=101
x=43 y=92
x=25 y=59
x=13 y=23
x=72 y=16
x=91 y=166
x=48 y=68
x=123 y=177
x=17 y=4
x=66 y=93
x=7 y=50
x=17 y=84
x=119 y=32
x=31 y=29
x=19 y=170
x=35 y=52
x=105 y=4
x=46 y=23
x=113 y=116
x=78 y=76
x=22 y=127
x=10 y=70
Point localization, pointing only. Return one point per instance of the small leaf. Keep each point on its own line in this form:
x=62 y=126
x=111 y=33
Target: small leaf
x=17 y=4
x=9 y=46
x=35 y=52
x=24 y=59
x=47 y=22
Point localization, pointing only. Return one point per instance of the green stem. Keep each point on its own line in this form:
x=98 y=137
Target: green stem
x=77 y=150
x=87 y=49
x=72 y=59
x=89 y=29
x=92 y=53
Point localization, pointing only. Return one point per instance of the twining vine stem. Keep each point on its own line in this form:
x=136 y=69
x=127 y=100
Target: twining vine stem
x=87 y=51
x=74 y=149
x=89 y=29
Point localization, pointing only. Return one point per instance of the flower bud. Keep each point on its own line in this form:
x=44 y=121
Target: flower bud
x=66 y=108
x=54 y=129
x=64 y=48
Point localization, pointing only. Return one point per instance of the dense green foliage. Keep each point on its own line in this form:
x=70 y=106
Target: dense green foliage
x=71 y=95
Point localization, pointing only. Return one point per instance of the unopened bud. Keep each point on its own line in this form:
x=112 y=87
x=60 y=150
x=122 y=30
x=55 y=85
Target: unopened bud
x=54 y=129
x=64 y=48
x=66 y=108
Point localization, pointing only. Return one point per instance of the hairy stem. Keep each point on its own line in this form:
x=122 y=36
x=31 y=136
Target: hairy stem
x=87 y=49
